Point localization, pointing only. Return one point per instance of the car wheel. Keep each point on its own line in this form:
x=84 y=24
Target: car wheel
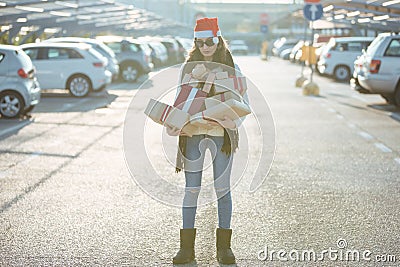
x=79 y=85
x=397 y=95
x=11 y=104
x=129 y=72
x=342 y=73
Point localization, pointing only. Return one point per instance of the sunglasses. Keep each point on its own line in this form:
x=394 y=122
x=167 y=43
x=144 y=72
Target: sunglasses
x=200 y=43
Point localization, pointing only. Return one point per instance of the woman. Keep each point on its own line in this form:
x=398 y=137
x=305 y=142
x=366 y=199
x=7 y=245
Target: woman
x=210 y=48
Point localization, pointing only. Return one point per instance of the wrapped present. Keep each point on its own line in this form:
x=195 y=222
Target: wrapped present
x=190 y=80
x=231 y=108
x=221 y=75
x=233 y=83
x=215 y=100
x=198 y=120
x=199 y=71
x=168 y=115
x=190 y=99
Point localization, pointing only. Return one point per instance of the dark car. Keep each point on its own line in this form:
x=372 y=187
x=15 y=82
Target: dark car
x=134 y=57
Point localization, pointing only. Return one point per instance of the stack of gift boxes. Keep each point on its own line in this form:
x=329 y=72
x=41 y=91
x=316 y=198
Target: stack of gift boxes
x=192 y=107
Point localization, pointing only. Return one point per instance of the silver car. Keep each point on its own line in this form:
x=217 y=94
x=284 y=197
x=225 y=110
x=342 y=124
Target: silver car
x=380 y=68
x=19 y=89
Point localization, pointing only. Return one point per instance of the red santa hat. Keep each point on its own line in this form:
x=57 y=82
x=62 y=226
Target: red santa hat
x=207 y=27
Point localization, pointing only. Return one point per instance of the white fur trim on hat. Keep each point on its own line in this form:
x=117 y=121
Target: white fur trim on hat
x=205 y=34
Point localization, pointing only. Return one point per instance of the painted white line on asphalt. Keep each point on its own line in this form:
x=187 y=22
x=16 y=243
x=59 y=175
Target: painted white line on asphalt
x=31 y=157
x=14 y=128
x=331 y=110
x=340 y=117
x=365 y=135
x=397 y=160
x=383 y=148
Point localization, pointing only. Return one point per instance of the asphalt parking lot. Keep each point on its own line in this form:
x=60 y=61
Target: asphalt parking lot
x=68 y=199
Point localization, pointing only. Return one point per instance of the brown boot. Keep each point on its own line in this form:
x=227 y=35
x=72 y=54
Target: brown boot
x=186 y=251
x=224 y=251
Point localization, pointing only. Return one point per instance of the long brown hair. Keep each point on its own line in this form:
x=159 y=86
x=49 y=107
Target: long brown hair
x=222 y=55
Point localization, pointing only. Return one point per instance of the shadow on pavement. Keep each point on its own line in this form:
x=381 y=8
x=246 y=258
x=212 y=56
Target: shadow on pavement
x=56 y=102
x=394 y=111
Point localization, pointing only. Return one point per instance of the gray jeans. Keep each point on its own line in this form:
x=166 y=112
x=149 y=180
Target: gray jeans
x=222 y=165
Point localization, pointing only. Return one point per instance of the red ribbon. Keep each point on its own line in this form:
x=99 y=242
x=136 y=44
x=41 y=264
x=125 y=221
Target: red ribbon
x=165 y=113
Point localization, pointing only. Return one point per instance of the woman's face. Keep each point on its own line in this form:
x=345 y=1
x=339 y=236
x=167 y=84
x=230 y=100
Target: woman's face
x=206 y=46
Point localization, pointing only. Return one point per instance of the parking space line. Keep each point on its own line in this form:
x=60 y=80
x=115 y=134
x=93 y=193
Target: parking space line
x=383 y=148
x=14 y=128
x=339 y=116
x=31 y=157
x=365 y=135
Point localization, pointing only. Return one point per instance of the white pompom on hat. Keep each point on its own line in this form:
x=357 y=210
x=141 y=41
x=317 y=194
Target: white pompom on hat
x=207 y=27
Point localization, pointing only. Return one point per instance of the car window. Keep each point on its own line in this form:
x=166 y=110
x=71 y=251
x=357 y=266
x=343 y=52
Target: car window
x=72 y=53
x=342 y=47
x=32 y=53
x=57 y=53
x=393 y=49
x=134 y=47
x=115 y=47
x=355 y=47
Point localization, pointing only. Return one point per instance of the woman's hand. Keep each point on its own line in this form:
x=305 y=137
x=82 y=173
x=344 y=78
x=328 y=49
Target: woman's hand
x=173 y=131
x=226 y=123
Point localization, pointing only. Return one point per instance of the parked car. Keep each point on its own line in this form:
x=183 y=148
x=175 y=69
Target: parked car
x=173 y=51
x=19 y=88
x=296 y=51
x=282 y=44
x=159 y=55
x=337 y=57
x=76 y=67
x=285 y=54
x=97 y=45
x=187 y=45
x=238 y=47
x=134 y=57
x=380 y=68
